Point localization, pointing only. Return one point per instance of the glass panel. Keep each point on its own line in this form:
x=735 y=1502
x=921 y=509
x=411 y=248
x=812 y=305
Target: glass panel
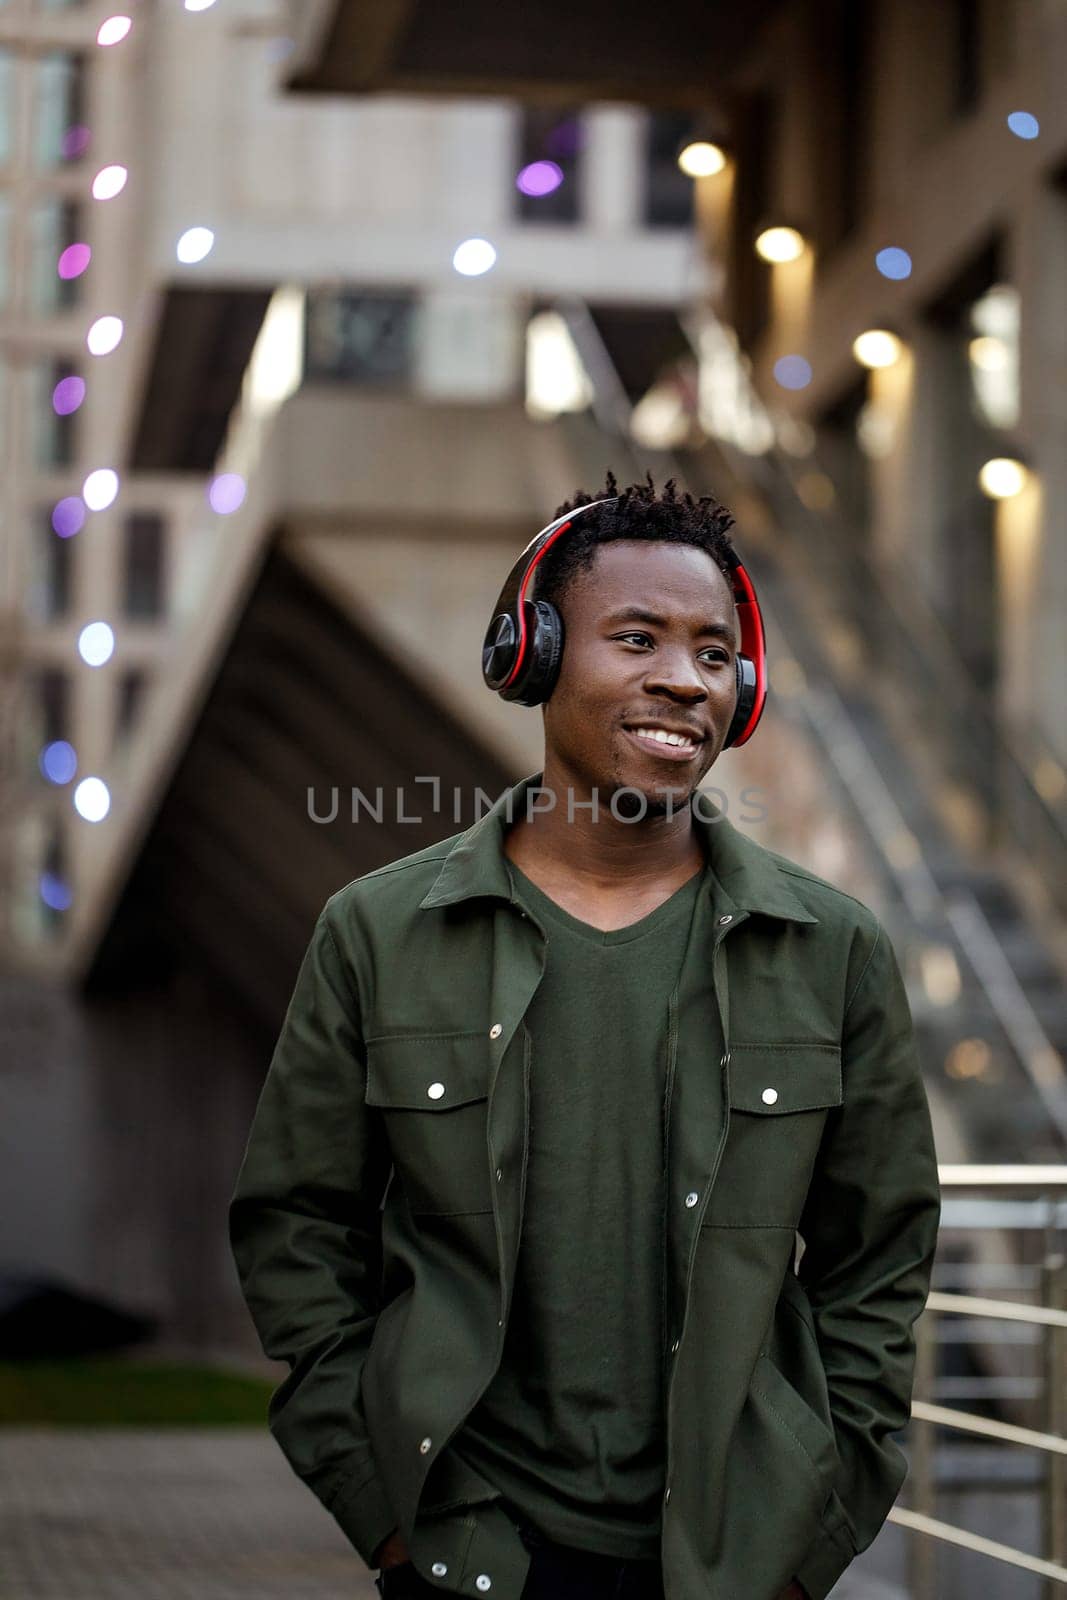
x=51 y=436
x=5 y=249
x=359 y=338
x=53 y=226
x=7 y=105
x=48 y=590
x=668 y=191
x=132 y=686
x=58 y=103
x=546 y=184
x=143 y=568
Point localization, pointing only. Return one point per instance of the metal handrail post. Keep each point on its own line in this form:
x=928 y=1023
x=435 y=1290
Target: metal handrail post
x=922 y=1553
x=1054 y=1286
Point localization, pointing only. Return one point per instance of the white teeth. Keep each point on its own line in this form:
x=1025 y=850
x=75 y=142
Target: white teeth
x=662 y=737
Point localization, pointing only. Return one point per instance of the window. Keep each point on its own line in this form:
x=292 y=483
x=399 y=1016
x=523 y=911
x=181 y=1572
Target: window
x=668 y=200
x=550 y=146
x=143 y=565
x=132 y=685
x=58 y=106
x=7 y=106
x=360 y=338
x=48 y=594
x=53 y=704
x=53 y=226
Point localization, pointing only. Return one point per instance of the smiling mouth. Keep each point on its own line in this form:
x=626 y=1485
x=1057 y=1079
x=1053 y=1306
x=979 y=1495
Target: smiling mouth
x=671 y=748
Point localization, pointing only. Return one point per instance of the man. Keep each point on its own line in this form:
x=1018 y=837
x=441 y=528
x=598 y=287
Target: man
x=607 y=1058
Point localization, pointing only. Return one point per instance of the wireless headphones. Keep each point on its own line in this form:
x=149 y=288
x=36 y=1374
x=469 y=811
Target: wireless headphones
x=523 y=644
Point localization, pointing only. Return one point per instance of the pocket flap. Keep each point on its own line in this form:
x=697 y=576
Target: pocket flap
x=770 y=1079
x=427 y=1072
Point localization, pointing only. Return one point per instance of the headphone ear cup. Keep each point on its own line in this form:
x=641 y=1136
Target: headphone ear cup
x=546 y=652
x=745 y=670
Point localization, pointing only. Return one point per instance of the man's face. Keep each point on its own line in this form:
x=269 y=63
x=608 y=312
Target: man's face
x=669 y=668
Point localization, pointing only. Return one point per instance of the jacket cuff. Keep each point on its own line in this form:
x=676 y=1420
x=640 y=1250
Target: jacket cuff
x=364 y=1516
x=829 y=1553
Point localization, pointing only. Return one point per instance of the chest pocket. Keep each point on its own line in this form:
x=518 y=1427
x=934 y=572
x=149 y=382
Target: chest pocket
x=433 y=1092
x=780 y=1096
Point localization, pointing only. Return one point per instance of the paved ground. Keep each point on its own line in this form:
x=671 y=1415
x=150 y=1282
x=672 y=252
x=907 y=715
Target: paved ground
x=144 y=1514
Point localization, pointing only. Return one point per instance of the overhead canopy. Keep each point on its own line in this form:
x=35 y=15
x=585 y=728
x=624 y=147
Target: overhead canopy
x=534 y=49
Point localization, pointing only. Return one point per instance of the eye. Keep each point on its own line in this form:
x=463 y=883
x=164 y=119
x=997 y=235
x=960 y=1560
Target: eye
x=721 y=656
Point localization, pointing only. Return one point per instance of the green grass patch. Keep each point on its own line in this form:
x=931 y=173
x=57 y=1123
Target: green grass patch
x=116 y=1393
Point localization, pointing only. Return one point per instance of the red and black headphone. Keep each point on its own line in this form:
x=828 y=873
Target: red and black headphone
x=523 y=644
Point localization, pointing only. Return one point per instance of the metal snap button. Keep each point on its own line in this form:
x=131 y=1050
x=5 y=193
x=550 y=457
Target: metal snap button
x=424 y=1444
x=483 y=1581
x=674 y=1346
x=439 y=1569
x=499 y=1173
x=666 y=1497
x=435 y=1091
x=769 y=1096
x=691 y=1199
x=495 y=1031
x=724 y=920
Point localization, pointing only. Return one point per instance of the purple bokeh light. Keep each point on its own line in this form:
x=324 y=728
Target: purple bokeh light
x=540 y=177
x=75 y=142
x=68 y=395
x=58 y=761
x=68 y=516
x=74 y=260
x=55 y=892
x=226 y=493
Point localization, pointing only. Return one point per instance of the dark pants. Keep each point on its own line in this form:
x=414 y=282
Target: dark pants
x=557 y=1572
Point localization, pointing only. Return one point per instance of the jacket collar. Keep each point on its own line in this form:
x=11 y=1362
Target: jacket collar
x=750 y=876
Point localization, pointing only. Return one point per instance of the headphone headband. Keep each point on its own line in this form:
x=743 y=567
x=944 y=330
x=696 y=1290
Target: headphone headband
x=523 y=645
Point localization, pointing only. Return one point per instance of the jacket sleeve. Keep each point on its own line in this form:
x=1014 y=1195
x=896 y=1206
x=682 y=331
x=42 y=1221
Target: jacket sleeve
x=869 y=1228
x=305 y=1231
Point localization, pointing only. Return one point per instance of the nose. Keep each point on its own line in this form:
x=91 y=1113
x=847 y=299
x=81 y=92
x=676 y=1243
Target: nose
x=674 y=672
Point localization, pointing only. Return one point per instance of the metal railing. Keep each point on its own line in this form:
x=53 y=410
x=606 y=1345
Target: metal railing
x=1050 y=1317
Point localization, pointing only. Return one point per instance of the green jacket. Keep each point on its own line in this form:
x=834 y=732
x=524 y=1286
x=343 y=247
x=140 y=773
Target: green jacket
x=796 y=1106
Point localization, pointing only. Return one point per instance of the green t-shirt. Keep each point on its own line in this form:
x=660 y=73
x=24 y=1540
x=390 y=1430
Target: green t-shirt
x=571 y=1429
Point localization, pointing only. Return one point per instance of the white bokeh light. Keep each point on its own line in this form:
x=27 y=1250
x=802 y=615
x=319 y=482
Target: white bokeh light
x=194 y=245
x=100 y=488
x=114 y=30
x=199 y=5
x=473 y=257
x=104 y=336
x=109 y=182
x=96 y=643
x=92 y=799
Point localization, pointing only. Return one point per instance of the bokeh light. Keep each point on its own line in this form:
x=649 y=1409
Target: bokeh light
x=792 y=372
x=113 y=31
x=58 y=761
x=92 y=799
x=1002 y=477
x=74 y=260
x=96 y=643
x=75 y=142
x=539 y=177
x=195 y=244
x=55 y=892
x=702 y=159
x=68 y=516
x=473 y=257
x=104 y=336
x=226 y=492
x=893 y=262
x=68 y=395
x=100 y=488
x=780 y=244
x=1024 y=125
x=876 y=347
x=109 y=182
x=199 y=5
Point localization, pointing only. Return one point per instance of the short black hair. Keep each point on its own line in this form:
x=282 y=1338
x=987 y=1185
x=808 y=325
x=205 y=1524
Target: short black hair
x=638 y=512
